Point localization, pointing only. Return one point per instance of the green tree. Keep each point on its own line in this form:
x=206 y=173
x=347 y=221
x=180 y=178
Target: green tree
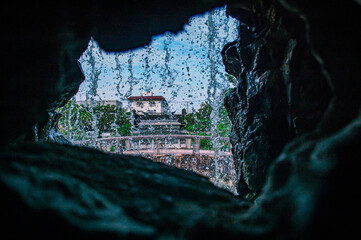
x=199 y=123
x=123 y=122
x=231 y=79
x=77 y=120
x=225 y=124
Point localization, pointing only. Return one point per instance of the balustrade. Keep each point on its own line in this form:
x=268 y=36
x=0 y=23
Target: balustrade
x=155 y=143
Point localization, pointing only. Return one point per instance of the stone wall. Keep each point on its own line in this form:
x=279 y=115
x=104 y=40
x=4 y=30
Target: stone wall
x=296 y=134
x=289 y=77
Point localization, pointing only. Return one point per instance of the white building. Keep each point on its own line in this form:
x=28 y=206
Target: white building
x=154 y=119
x=148 y=104
x=102 y=102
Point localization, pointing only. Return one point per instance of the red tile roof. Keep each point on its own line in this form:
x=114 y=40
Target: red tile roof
x=137 y=98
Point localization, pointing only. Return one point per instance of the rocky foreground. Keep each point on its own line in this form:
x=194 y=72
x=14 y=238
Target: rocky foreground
x=295 y=113
x=61 y=191
x=58 y=191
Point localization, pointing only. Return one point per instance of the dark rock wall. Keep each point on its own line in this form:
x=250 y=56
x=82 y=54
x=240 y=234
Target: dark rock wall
x=61 y=192
x=296 y=134
x=296 y=66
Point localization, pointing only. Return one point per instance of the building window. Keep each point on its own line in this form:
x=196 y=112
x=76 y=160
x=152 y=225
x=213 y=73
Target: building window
x=140 y=104
x=151 y=103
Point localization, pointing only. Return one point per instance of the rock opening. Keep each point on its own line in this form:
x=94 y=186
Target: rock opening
x=295 y=113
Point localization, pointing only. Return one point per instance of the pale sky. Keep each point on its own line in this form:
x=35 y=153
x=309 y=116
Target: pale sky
x=177 y=67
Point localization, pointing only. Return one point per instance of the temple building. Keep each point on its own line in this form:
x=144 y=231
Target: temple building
x=147 y=104
x=153 y=118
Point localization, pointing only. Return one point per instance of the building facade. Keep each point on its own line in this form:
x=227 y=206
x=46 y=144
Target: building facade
x=147 y=104
x=154 y=119
x=102 y=102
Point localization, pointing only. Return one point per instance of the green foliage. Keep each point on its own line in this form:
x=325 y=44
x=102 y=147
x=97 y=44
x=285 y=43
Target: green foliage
x=124 y=129
x=231 y=79
x=225 y=125
x=77 y=120
x=206 y=144
x=200 y=122
x=112 y=148
x=108 y=115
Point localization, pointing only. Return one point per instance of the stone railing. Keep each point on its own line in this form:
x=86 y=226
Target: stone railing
x=155 y=142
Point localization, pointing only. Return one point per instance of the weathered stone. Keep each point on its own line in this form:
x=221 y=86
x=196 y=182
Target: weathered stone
x=284 y=90
x=295 y=112
x=257 y=107
x=64 y=190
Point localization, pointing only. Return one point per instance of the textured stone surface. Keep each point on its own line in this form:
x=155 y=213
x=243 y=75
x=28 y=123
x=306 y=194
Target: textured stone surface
x=290 y=80
x=295 y=112
x=55 y=191
x=59 y=190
